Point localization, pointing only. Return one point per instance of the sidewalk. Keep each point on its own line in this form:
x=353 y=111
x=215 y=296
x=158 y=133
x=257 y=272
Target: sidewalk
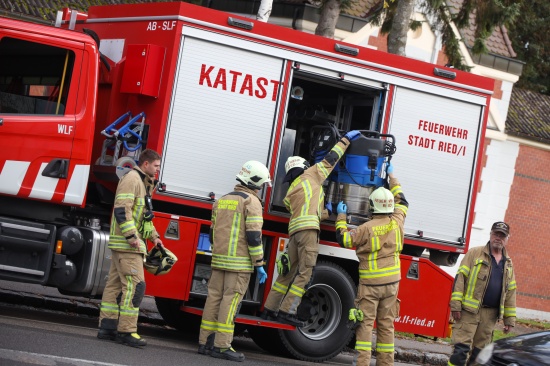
x=408 y=351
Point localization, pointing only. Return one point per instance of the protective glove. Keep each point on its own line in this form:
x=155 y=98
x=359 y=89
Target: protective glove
x=261 y=274
x=342 y=208
x=389 y=169
x=355 y=317
x=328 y=206
x=146 y=229
x=283 y=264
x=352 y=135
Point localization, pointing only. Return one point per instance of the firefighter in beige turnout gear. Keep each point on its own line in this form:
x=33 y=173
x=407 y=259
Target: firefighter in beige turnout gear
x=130 y=227
x=378 y=244
x=484 y=292
x=236 y=237
x=304 y=200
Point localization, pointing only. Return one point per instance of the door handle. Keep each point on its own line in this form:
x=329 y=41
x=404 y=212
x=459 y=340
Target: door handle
x=57 y=168
x=1 y=121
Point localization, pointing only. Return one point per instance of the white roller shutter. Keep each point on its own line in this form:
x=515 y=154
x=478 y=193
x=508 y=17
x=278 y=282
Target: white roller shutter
x=222 y=114
x=436 y=138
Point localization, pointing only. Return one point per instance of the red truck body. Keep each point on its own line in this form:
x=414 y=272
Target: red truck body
x=210 y=90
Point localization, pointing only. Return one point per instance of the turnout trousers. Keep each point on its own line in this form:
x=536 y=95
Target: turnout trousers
x=471 y=333
x=225 y=293
x=287 y=291
x=123 y=293
x=378 y=303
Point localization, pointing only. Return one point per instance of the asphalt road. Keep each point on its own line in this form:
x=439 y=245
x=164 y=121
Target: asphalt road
x=37 y=337
x=33 y=332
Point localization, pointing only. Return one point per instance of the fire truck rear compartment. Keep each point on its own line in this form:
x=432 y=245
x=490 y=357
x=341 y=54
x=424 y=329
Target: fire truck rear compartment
x=317 y=105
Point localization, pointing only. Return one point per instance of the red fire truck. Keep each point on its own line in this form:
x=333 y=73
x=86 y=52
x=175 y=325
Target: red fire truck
x=211 y=90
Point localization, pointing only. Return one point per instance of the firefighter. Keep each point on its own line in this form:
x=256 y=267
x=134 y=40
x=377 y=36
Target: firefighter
x=131 y=225
x=484 y=292
x=304 y=200
x=378 y=244
x=236 y=237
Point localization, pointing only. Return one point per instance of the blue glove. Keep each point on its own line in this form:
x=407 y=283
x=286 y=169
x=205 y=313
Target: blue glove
x=328 y=206
x=352 y=135
x=261 y=274
x=342 y=208
x=389 y=169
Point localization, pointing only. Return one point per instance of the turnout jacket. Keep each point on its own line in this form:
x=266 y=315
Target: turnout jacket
x=236 y=231
x=378 y=242
x=305 y=197
x=472 y=279
x=129 y=209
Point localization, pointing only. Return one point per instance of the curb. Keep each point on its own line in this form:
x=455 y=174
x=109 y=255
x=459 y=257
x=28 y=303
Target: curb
x=90 y=308
x=420 y=357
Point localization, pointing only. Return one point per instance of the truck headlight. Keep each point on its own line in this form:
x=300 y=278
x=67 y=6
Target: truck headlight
x=485 y=355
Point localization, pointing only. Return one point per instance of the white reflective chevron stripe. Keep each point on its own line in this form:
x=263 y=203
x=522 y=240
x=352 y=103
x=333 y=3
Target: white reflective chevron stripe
x=12 y=175
x=44 y=187
x=77 y=185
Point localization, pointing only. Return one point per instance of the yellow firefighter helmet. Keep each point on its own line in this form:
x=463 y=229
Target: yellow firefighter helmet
x=296 y=162
x=381 y=201
x=254 y=175
x=159 y=261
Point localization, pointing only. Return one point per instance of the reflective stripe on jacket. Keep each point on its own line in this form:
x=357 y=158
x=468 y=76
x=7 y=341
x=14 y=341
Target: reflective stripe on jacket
x=472 y=279
x=305 y=199
x=236 y=231
x=378 y=242
x=128 y=211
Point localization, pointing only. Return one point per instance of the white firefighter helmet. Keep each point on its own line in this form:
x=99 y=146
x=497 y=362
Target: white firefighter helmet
x=254 y=175
x=296 y=162
x=159 y=261
x=381 y=201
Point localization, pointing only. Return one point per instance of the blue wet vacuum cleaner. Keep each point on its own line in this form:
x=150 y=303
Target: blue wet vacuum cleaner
x=359 y=172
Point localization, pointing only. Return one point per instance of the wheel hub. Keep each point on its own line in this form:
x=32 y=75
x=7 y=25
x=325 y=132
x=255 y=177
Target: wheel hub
x=325 y=308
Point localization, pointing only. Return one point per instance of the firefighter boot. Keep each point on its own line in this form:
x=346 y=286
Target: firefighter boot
x=290 y=319
x=131 y=339
x=206 y=349
x=473 y=356
x=227 y=354
x=107 y=329
x=108 y=334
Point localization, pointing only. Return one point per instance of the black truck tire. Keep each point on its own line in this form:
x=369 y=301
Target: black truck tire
x=325 y=335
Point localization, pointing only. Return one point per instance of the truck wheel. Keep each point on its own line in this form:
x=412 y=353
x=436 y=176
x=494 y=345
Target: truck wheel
x=170 y=311
x=325 y=335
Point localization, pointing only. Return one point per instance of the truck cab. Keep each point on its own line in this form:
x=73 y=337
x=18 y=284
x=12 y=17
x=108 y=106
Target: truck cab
x=48 y=86
x=48 y=89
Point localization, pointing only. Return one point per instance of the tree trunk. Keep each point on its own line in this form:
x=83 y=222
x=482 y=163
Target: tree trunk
x=330 y=11
x=397 y=37
x=264 y=11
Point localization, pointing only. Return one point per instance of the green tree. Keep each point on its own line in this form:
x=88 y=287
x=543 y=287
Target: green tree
x=486 y=14
x=530 y=40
